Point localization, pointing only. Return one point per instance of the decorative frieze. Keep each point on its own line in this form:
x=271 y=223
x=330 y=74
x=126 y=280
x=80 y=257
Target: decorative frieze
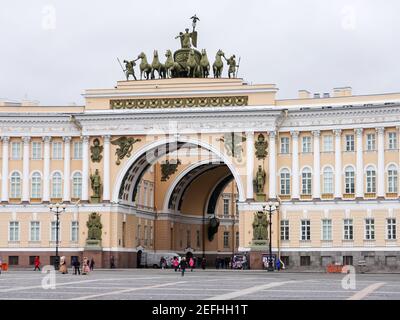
x=196 y=102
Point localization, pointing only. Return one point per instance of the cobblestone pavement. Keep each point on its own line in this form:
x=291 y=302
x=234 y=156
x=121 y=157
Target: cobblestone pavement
x=134 y=284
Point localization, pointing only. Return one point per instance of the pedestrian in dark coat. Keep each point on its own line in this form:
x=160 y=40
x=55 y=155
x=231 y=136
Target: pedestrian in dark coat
x=183 y=265
x=76 y=264
x=91 y=265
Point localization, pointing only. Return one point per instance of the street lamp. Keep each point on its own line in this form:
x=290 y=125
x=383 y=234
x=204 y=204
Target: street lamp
x=272 y=207
x=57 y=209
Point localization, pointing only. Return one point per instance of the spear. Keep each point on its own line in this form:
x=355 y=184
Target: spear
x=121 y=65
x=237 y=70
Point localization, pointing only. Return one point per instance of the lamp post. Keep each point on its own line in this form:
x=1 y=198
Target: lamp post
x=57 y=209
x=272 y=207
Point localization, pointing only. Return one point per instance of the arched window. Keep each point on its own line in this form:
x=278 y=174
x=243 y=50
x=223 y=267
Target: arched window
x=328 y=180
x=285 y=182
x=77 y=185
x=371 y=180
x=56 y=186
x=36 y=185
x=349 y=180
x=306 y=181
x=392 y=179
x=15 y=185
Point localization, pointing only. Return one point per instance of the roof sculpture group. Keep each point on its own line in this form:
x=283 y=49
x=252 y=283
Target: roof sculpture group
x=186 y=62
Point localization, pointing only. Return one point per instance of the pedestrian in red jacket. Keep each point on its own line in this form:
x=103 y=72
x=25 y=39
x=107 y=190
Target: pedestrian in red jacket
x=37 y=264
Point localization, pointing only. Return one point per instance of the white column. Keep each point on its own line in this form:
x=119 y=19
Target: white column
x=4 y=171
x=272 y=165
x=85 y=169
x=106 y=169
x=317 y=166
x=381 y=163
x=250 y=163
x=67 y=169
x=359 y=164
x=295 y=165
x=25 y=169
x=46 y=169
x=338 y=164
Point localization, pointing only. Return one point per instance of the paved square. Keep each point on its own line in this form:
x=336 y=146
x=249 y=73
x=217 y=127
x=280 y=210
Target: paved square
x=149 y=284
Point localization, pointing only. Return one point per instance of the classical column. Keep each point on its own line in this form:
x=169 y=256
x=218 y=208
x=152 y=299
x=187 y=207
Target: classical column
x=4 y=171
x=67 y=169
x=250 y=163
x=295 y=165
x=106 y=169
x=46 y=170
x=317 y=166
x=359 y=165
x=381 y=163
x=338 y=164
x=85 y=169
x=272 y=164
x=25 y=170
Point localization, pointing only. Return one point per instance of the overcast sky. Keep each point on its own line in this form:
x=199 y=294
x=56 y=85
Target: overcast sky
x=52 y=50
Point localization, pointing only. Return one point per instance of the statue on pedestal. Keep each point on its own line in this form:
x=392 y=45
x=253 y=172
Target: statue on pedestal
x=260 y=225
x=259 y=183
x=96 y=186
x=95 y=227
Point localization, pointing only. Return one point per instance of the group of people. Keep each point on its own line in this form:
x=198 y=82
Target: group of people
x=87 y=265
x=183 y=264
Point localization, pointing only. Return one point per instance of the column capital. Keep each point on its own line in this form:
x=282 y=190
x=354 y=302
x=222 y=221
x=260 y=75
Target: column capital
x=380 y=130
x=26 y=140
x=294 y=133
x=85 y=139
x=67 y=139
x=359 y=131
x=272 y=134
x=316 y=133
x=337 y=132
x=46 y=139
x=107 y=138
x=5 y=139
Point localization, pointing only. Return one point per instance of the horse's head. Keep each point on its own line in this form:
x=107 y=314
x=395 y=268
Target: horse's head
x=168 y=53
x=220 y=53
x=155 y=54
x=142 y=55
x=203 y=52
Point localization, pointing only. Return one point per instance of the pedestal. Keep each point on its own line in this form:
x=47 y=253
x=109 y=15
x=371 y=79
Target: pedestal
x=94 y=199
x=258 y=248
x=93 y=249
x=261 y=197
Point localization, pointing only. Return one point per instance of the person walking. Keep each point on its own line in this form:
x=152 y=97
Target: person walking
x=278 y=264
x=1 y=265
x=91 y=265
x=63 y=265
x=183 y=265
x=112 y=262
x=203 y=263
x=76 y=264
x=85 y=266
x=36 y=263
x=176 y=264
x=191 y=264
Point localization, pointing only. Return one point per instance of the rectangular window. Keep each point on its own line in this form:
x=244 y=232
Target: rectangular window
x=138 y=235
x=74 y=231
x=328 y=143
x=35 y=231
x=349 y=143
x=36 y=150
x=145 y=235
x=348 y=229
x=392 y=141
x=198 y=238
x=237 y=239
x=226 y=208
x=13 y=260
x=14 y=231
x=77 y=150
x=306 y=182
x=285 y=182
x=285 y=145
x=15 y=150
x=306 y=144
x=305 y=230
x=369 y=229
x=347 y=260
x=305 y=261
x=226 y=239
x=57 y=150
x=123 y=234
x=327 y=230
x=188 y=239
x=371 y=142
x=391 y=229
x=328 y=181
x=285 y=230
x=53 y=231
